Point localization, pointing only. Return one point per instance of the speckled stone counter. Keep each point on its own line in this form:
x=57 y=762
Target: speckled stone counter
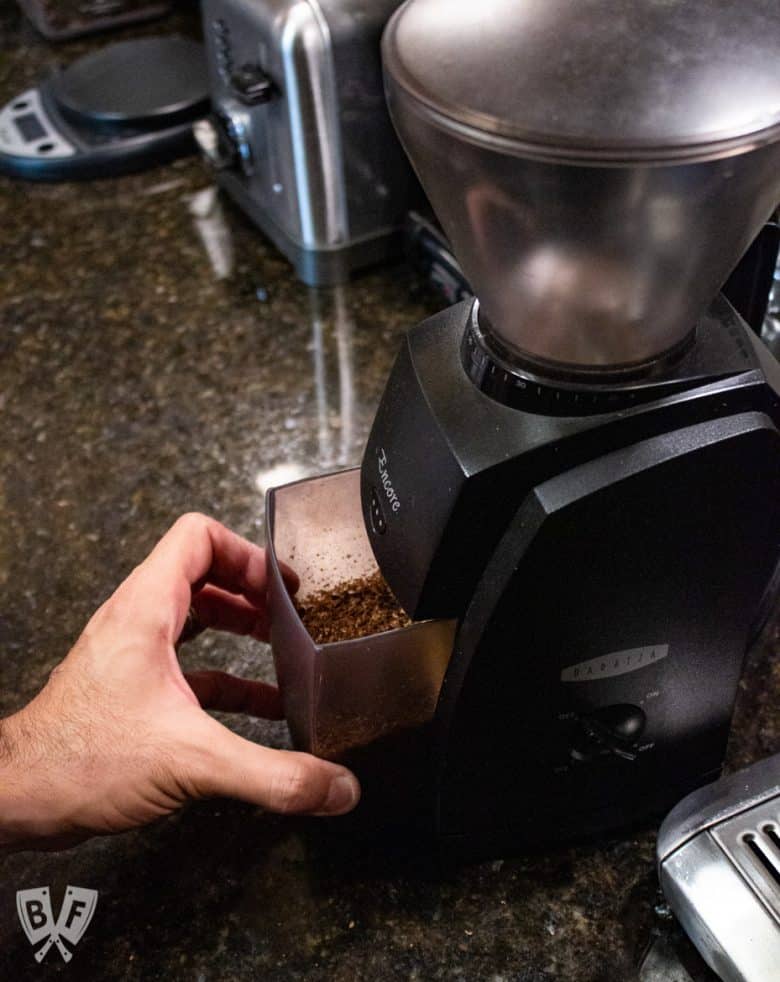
x=156 y=356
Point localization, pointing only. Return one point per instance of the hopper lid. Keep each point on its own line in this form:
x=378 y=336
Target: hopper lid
x=623 y=79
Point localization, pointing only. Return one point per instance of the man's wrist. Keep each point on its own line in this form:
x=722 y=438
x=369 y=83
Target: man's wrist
x=16 y=830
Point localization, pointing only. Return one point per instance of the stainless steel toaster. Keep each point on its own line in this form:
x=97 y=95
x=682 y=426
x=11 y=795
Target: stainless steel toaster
x=300 y=133
x=719 y=864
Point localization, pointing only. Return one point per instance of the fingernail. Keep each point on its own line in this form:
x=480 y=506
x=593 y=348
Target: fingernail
x=343 y=795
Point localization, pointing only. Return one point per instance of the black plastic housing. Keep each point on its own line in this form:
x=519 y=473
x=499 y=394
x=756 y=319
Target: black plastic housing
x=449 y=464
x=607 y=570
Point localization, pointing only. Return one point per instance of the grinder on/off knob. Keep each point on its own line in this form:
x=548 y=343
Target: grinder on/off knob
x=611 y=729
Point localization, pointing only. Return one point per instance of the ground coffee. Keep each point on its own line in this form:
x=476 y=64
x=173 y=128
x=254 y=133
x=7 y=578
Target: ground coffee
x=352 y=609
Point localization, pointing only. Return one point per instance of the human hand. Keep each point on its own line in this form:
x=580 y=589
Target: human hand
x=119 y=737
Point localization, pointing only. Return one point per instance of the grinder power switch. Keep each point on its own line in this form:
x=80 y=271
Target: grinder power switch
x=614 y=729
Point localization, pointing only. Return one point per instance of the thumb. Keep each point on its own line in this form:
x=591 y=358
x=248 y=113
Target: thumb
x=279 y=780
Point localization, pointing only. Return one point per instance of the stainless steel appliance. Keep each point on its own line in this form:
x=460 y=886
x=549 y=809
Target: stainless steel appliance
x=300 y=133
x=579 y=470
x=719 y=865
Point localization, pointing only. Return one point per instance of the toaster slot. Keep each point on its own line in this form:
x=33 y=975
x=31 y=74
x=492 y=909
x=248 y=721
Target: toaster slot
x=751 y=840
x=758 y=846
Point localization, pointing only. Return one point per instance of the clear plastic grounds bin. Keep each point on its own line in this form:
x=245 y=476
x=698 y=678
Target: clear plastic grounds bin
x=365 y=701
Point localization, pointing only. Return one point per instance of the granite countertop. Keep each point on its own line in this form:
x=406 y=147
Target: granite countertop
x=158 y=356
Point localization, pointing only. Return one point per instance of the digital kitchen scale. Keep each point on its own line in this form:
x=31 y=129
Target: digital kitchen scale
x=128 y=106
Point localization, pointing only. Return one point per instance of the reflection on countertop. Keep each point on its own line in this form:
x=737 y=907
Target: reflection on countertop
x=158 y=356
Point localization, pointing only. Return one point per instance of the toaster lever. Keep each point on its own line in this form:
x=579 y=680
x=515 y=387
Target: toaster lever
x=252 y=85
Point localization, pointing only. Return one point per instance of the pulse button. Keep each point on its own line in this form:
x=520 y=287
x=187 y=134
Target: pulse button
x=378 y=522
x=615 y=729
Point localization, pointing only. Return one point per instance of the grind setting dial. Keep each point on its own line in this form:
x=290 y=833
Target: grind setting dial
x=615 y=730
x=503 y=377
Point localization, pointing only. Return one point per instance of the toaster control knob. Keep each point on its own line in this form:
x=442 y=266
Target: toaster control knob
x=615 y=729
x=252 y=85
x=213 y=144
x=224 y=137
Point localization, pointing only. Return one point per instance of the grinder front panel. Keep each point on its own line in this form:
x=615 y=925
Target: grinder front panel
x=594 y=675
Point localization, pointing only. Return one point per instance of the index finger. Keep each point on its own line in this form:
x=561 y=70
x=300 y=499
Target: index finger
x=197 y=550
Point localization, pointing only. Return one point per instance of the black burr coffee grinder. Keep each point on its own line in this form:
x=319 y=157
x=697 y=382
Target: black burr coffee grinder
x=577 y=472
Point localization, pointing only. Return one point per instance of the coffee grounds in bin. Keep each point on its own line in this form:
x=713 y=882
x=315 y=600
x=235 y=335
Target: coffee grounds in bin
x=352 y=609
